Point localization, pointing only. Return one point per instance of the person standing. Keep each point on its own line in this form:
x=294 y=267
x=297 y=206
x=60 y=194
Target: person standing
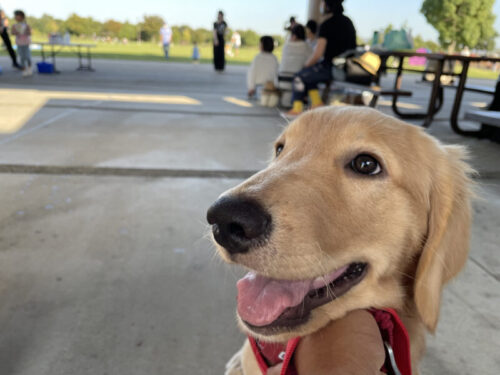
x=166 y=38
x=288 y=28
x=196 y=53
x=22 y=31
x=4 y=31
x=220 y=27
x=236 y=41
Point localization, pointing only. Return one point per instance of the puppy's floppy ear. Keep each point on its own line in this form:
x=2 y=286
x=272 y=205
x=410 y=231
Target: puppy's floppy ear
x=447 y=244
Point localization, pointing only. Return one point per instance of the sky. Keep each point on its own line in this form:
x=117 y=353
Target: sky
x=263 y=16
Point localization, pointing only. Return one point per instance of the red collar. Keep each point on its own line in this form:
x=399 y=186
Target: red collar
x=391 y=328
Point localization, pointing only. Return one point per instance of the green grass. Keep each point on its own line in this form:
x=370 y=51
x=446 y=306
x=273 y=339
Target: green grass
x=154 y=52
x=182 y=53
x=473 y=71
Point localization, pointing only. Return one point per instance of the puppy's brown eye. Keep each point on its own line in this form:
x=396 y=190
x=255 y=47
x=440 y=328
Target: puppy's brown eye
x=279 y=148
x=366 y=164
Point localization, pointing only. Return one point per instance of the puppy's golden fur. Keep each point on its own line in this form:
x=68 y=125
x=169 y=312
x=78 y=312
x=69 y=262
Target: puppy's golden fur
x=410 y=224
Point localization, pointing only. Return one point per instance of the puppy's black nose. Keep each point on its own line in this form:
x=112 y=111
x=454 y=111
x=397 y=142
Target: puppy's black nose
x=238 y=224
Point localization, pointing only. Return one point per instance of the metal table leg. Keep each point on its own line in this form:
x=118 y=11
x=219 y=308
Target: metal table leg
x=435 y=102
x=79 y=53
x=53 y=54
x=81 y=65
x=458 y=101
x=89 y=60
x=436 y=86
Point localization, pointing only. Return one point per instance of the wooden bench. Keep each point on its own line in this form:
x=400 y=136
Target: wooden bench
x=474 y=88
x=490 y=123
x=376 y=91
x=488 y=117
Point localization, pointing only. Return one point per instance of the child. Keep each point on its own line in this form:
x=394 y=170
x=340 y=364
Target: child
x=22 y=31
x=264 y=66
x=196 y=53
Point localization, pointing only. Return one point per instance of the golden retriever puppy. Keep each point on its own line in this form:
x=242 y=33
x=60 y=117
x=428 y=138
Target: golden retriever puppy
x=356 y=210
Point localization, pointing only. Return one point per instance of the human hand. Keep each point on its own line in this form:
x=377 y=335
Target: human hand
x=275 y=370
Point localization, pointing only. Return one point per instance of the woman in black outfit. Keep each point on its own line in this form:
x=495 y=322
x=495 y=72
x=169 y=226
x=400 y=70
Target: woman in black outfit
x=220 y=28
x=4 y=32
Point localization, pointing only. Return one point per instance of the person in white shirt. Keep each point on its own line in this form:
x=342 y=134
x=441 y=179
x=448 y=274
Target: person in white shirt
x=295 y=53
x=166 y=38
x=236 y=42
x=264 y=67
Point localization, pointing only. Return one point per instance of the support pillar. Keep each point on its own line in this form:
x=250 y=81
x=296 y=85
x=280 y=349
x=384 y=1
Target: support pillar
x=313 y=12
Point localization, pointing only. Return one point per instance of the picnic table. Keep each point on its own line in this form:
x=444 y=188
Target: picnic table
x=436 y=97
x=82 y=50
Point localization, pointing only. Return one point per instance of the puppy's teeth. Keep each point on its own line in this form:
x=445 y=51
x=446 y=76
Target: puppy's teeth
x=319 y=279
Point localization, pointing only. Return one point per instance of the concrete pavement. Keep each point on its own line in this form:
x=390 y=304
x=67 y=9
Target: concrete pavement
x=112 y=274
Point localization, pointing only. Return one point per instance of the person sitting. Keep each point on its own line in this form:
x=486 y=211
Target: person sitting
x=264 y=67
x=296 y=52
x=336 y=35
x=311 y=30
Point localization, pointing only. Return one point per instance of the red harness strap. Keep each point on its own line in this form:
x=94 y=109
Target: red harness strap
x=270 y=354
x=394 y=333
x=391 y=328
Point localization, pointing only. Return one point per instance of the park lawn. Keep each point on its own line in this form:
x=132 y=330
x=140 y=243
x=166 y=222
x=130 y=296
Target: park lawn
x=473 y=71
x=154 y=52
x=182 y=53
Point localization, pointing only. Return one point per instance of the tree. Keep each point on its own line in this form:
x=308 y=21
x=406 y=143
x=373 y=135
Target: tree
x=176 y=34
x=150 y=27
x=45 y=24
x=462 y=23
x=111 y=28
x=128 y=31
x=186 y=34
x=75 y=24
x=202 y=36
x=419 y=42
x=249 y=38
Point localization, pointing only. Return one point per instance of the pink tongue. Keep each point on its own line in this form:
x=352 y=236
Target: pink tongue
x=262 y=300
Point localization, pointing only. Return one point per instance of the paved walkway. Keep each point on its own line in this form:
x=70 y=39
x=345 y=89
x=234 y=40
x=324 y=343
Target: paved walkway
x=106 y=177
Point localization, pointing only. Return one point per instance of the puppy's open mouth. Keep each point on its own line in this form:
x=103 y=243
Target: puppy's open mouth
x=268 y=306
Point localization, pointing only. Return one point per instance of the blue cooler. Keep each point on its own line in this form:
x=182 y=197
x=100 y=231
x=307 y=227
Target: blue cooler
x=45 y=67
